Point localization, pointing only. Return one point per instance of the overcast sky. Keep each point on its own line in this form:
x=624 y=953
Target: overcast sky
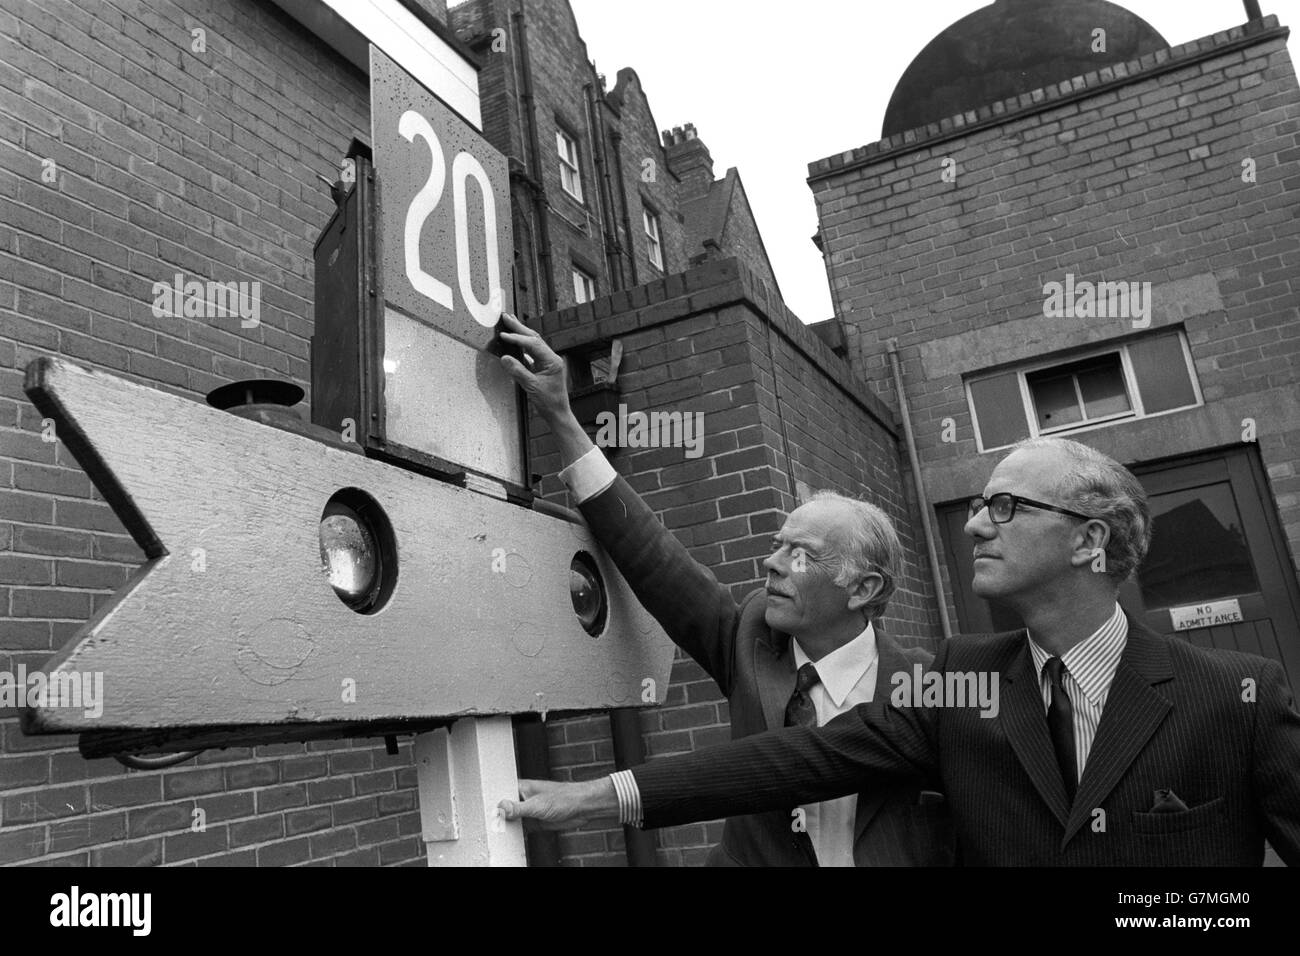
x=773 y=86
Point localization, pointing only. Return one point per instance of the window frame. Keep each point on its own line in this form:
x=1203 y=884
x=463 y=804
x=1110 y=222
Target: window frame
x=577 y=270
x=1137 y=413
x=572 y=164
x=655 y=242
x=1136 y=409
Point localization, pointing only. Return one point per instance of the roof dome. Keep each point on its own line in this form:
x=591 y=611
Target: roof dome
x=1012 y=47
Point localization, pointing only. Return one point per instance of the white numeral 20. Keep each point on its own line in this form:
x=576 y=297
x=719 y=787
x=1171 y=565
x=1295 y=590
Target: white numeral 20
x=412 y=124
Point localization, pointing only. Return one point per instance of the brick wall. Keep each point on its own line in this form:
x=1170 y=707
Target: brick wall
x=1132 y=173
x=622 y=133
x=646 y=178
x=741 y=238
x=166 y=160
x=718 y=341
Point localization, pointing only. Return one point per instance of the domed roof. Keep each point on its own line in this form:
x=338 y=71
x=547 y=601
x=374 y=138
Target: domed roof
x=1012 y=47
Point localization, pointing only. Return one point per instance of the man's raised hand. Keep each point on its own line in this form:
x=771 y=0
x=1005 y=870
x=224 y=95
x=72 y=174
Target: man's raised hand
x=542 y=375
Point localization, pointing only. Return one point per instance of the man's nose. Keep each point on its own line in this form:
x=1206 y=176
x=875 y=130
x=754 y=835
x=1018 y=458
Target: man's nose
x=772 y=563
x=981 y=526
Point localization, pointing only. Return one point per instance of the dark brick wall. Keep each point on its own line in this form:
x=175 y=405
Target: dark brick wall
x=611 y=213
x=647 y=179
x=166 y=161
x=1140 y=180
x=741 y=239
x=718 y=341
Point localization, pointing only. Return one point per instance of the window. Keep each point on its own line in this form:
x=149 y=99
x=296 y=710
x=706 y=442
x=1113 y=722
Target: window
x=652 y=238
x=570 y=173
x=584 y=286
x=1090 y=391
x=1148 y=376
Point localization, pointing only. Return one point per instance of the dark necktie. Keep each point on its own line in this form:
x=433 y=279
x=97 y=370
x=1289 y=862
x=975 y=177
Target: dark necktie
x=800 y=712
x=1060 y=724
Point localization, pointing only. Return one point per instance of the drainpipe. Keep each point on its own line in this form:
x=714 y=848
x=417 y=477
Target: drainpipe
x=927 y=526
x=538 y=187
x=1252 y=10
x=617 y=138
x=608 y=233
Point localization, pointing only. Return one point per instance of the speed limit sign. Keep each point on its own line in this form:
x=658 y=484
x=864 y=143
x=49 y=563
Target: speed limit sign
x=446 y=251
x=446 y=234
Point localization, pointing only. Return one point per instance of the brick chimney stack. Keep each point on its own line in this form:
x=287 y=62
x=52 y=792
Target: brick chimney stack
x=689 y=159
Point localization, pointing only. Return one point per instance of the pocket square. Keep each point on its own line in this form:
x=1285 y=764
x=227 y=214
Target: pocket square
x=929 y=798
x=1167 y=802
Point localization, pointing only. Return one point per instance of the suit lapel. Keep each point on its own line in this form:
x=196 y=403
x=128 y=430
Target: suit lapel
x=1133 y=712
x=1024 y=720
x=774 y=672
x=889 y=661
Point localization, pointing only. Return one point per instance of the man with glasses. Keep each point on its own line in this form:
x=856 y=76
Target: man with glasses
x=1112 y=745
x=798 y=652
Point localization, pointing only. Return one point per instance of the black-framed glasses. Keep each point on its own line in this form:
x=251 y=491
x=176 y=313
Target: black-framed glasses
x=1002 y=507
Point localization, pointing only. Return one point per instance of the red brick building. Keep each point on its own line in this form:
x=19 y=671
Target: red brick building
x=1026 y=177
x=193 y=138
x=600 y=204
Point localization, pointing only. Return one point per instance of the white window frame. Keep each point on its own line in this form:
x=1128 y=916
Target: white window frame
x=588 y=285
x=566 y=147
x=1138 y=412
x=652 y=234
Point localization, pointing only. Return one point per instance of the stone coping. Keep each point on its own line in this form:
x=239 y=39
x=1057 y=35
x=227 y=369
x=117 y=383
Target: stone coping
x=711 y=286
x=1050 y=97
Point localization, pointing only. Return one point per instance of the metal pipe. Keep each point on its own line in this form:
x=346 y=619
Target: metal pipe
x=629 y=751
x=608 y=230
x=534 y=761
x=539 y=188
x=927 y=526
x=617 y=138
x=1252 y=10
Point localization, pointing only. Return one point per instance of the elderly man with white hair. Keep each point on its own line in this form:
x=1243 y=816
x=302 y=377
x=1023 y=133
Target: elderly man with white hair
x=1110 y=746
x=798 y=652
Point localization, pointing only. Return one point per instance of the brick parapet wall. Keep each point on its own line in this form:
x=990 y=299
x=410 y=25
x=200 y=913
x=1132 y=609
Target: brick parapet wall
x=956 y=270
x=1049 y=97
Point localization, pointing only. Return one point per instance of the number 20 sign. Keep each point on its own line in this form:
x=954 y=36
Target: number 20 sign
x=445 y=204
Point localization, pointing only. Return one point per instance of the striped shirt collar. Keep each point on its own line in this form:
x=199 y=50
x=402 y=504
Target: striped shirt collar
x=1091 y=662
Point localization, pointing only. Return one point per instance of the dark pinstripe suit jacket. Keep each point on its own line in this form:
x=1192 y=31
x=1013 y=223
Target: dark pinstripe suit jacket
x=1177 y=717
x=754 y=667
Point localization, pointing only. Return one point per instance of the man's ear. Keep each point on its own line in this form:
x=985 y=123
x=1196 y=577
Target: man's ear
x=865 y=590
x=1090 y=540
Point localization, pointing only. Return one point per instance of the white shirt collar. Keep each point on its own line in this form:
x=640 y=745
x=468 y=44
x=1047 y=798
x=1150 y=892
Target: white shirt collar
x=843 y=668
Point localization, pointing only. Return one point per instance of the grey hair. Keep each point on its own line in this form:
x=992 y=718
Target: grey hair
x=1097 y=485
x=870 y=546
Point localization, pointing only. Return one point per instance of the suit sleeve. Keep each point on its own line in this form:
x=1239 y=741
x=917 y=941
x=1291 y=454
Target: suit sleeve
x=697 y=613
x=872 y=745
x=1277 y=763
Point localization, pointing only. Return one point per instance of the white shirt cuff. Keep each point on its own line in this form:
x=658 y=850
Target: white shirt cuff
x=629 y=798
x=588 y=476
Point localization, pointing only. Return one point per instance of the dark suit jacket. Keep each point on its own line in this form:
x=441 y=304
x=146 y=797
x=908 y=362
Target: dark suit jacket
x=1175 y=718
x=754 y=668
